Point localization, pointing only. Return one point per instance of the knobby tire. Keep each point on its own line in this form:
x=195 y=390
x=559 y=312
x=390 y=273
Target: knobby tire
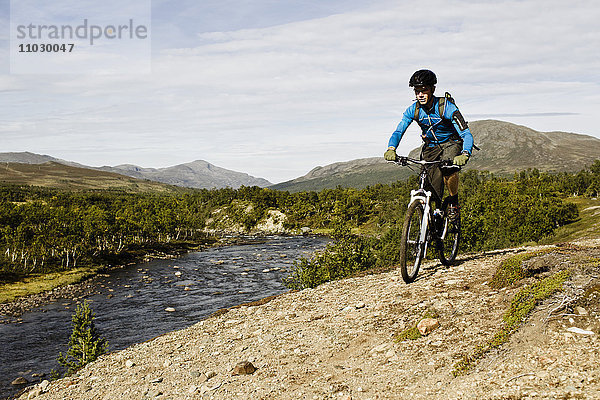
x=411 y=251
x=448 y=248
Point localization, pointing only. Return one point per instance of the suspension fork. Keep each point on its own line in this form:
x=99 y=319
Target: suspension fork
x=424 y=197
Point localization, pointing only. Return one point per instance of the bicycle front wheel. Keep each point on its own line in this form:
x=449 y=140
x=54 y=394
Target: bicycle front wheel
x=411 y=249
x=448 y=246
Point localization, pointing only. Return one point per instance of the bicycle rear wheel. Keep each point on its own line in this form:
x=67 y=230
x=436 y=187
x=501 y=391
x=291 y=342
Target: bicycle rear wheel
x=448 y=246
x=411 y=249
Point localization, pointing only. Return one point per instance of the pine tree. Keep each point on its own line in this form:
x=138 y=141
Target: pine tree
x=85 y=344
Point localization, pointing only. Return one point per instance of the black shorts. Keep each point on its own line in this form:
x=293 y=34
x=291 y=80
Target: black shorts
x=444 y=151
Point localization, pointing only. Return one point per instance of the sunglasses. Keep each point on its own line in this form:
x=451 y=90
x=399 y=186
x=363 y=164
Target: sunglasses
x=422 y=89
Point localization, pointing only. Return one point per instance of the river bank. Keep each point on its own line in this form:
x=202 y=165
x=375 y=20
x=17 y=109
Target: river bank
x=30 y=292
x=338 y=341
x=138 y=302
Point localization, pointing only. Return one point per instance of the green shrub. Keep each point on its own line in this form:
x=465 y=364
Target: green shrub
x=511 y=270
x=85 y=344
x=342 y=257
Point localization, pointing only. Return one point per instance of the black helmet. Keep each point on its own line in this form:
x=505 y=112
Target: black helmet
x=422 y=77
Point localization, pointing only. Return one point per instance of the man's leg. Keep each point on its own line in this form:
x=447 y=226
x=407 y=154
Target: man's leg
x=451 y=182
x=451 y=201
x=435 y=182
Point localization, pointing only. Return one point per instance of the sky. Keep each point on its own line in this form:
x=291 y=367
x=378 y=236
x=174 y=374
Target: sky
x=274 y=88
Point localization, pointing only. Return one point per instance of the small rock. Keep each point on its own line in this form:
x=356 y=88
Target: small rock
x=244 y=368
x=580 y=331
x=187 y=288
x=381 y=348
x=178 y=273
x=34 y=393
x=427 y=325
x=199 y=376
x=211 y=374
x=568 y=337
x=360 y=305
x=19 y=381
x=545 y=360
x=44 y=385
x=305 y=230
x=453 y=282
x=169 y=309
x=580 y=311
x=129 y=363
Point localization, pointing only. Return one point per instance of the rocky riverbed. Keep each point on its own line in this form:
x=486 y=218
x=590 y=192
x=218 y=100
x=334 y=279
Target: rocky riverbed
x=337 y=341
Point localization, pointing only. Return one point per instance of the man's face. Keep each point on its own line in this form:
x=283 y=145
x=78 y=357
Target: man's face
x=424 y=94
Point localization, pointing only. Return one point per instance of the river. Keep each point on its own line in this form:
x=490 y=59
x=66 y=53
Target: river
x=130 y=303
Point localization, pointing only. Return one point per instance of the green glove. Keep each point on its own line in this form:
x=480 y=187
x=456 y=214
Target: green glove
x=461 y=159
x=390 y=154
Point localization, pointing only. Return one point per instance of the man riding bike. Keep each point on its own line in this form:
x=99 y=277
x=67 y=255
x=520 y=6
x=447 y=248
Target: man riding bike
x=445 y=136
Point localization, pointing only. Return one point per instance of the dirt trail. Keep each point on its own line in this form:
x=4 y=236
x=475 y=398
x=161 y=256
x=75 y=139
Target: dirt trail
x=337 y=342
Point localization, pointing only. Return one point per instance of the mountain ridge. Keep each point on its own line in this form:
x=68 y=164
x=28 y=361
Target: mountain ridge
x=198 y=174
x=506 y=148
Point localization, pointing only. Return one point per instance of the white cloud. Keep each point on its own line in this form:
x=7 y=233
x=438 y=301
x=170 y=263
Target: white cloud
x=279 y=100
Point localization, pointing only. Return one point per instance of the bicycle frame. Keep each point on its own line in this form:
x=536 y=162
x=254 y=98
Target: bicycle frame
x=424 y=196
x=423 y=225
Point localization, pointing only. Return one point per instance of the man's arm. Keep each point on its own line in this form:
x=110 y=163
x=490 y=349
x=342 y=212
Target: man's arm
x=452 y=112
x=407 y=118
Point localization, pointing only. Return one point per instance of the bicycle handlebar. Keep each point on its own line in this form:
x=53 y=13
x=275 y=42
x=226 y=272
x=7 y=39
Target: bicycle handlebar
x=402 y=160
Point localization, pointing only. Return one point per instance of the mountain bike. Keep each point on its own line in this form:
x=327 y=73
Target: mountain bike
x=423 y=225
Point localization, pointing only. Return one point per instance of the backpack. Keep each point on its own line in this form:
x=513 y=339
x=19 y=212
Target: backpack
x=441 y=109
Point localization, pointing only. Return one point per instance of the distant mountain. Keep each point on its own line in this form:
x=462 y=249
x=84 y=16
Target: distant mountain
x=26 y=157
x=197 y=174
x=505 y=149
x=61 y=176
x=356 y=173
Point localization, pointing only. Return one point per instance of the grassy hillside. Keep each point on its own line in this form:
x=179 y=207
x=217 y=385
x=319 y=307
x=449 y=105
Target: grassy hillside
x=356 y=177
x=60 y=176
x=587 y=225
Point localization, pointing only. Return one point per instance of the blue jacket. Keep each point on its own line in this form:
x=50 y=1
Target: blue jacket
x=435 y=128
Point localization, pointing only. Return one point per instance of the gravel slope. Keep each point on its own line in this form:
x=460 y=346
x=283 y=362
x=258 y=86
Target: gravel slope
x=337 y=342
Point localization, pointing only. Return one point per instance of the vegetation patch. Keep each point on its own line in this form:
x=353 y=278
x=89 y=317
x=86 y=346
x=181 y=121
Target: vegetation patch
x=40 y=283
x=521 y=306
x=511 y=270
x=346 y=255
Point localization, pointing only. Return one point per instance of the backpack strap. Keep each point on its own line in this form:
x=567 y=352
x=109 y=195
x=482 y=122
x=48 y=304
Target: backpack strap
x=441 y=106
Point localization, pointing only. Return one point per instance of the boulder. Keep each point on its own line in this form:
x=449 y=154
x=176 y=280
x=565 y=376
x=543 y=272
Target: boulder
x=19 y=381
x=427 y=325
x=244 y=368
